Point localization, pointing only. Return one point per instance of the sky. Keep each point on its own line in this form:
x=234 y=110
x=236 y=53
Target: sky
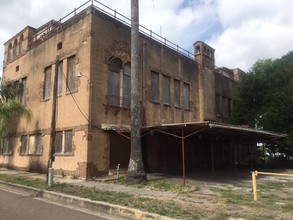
x=241 y=31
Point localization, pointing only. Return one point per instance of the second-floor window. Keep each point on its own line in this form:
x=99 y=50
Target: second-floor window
x=47 y=83
x=186 y=90
x=71 y=86
x=154 y=86
x=166 y=90
x=119 y=84
x=176 y=93
x=59 y=80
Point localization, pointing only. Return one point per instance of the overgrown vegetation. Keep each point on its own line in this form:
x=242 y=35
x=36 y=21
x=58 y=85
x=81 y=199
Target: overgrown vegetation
x=160 y=185
x=275 y=199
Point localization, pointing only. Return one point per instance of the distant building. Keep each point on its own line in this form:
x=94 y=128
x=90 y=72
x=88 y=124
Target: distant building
x=182 y=95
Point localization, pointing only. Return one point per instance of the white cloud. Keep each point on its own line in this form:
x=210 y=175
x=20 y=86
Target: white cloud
x=241 y=31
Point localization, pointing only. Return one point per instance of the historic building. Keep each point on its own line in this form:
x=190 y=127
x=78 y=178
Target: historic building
x=76 y=77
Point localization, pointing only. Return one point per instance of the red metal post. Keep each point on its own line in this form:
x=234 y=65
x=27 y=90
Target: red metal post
x=183 y=156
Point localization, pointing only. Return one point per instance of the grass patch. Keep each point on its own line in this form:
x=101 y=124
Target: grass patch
x=166 y=208
x=158 y=185
x=36 y=183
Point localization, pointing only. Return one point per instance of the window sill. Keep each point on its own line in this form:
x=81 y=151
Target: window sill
x=64 y=154
x=155 y=102
x=6 y=154
x=30 y=154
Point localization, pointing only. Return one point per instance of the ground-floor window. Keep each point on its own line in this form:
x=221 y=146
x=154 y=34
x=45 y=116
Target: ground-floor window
x=31 y=144
x=6 y=146
x=63 y=142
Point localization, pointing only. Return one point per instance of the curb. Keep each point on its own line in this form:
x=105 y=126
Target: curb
x=95 y=206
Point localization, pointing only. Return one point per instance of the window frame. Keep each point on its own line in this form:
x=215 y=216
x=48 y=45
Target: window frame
x=65 y=138
x=47 y=83
x=155 y=92
x=166 y=90
x=31 y=145
x=186 y=93
x=70 y=75
x=6 y=146
x=177 y=92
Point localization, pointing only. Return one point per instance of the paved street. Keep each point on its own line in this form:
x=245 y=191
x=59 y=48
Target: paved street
x=24 y=207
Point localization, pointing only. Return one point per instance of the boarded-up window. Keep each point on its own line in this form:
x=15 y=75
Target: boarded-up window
x=126 y=85
x=176 y=93
x=68 y=142
x=154 y=86
x=71 y=87
x=115 y=67
x=59 y=80
x=24 y=145
x=47 y=83
x=58 y=142
x=186 y=91
x=166 y=90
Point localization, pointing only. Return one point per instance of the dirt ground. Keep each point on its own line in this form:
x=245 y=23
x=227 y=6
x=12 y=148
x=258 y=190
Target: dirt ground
x=228 y=195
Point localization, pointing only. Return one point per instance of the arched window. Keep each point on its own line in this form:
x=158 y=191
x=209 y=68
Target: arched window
x=115 y=67
x=119 y=84
x=197 y=49
x=15 y=48
x=9 y=56
x=21 y=44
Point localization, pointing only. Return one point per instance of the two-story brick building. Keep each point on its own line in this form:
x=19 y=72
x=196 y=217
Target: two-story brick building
x=86 y=55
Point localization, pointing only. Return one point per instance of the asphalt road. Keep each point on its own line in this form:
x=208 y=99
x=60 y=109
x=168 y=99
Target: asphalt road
x=23 y=207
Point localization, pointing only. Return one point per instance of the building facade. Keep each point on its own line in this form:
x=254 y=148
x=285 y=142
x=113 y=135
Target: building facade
x=76 y=77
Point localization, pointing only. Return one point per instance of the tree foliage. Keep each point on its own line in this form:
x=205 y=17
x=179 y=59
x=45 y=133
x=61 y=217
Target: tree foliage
x=265 y=98
x=10 y=107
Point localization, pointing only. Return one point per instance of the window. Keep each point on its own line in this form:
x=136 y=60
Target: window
x=119 y=84
x=218 y=105
x=15 y=48
x=9 y=57
x=6 y=146
x=166 y=90
x=71 y=87
x=176 y=93
x=63 y=142
x=59 y=80
x=16 y=68
x=31 y=144
x=47 y=83
x=126 y=85
x=20 y=44
x=22 y=97
x=186 y=91
x=59 y=46
x=154 y=86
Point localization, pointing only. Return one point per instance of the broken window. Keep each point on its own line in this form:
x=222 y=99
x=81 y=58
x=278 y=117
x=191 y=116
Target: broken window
x=47 y=83
x=71 y=86
x=176 y=93
x=186 y=91
x=63 y=142
x=59 y=80
x=154 y=86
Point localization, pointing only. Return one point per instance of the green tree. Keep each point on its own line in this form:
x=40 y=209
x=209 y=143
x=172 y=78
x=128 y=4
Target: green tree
x=10 y=107
x=265 y=99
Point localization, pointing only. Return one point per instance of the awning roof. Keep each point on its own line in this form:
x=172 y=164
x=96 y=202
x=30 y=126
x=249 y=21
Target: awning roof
x=212 y=129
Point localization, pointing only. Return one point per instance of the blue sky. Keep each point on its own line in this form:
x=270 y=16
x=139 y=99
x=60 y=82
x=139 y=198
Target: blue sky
x=241 y=31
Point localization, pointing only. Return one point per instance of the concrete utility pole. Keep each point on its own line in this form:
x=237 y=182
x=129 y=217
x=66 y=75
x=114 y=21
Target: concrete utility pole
x=136 y=172
x=50 y=171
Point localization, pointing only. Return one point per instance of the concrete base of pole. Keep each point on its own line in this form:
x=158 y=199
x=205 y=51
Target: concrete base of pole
x=51 y=177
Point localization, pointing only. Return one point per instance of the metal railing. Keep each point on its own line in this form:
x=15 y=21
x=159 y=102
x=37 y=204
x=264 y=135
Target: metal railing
x=53 y=26
x=256 y=173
